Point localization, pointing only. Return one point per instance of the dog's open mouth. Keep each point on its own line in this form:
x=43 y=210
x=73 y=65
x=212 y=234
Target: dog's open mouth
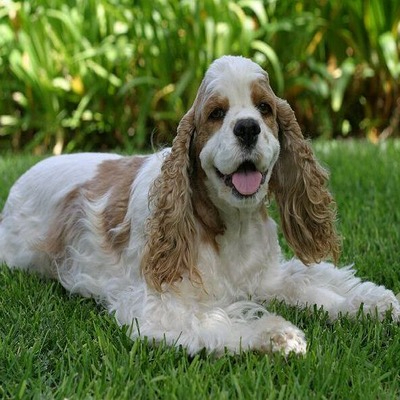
x=245 y=181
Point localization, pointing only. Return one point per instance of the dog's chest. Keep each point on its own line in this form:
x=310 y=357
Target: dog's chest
x=245 y=258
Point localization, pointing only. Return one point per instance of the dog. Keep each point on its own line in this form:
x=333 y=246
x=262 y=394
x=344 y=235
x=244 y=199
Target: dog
x=178 y=245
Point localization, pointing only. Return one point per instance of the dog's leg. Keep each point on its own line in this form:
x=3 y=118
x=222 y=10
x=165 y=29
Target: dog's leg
x=240 y=326
x=336 y=289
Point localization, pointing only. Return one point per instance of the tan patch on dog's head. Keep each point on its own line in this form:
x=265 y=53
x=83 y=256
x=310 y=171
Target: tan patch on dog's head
x=264 y=100
x=209 y=120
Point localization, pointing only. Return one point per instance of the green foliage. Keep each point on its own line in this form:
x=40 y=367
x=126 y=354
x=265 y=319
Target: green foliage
x=111 y=73
x=57 y=346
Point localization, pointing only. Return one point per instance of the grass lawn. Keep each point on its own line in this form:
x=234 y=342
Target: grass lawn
x=53 y=345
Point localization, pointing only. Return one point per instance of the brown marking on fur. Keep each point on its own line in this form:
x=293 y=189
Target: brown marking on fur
x=118 y=175
x=181 y=203
x=113 y=178
x=204 y=210
x=298 y=181
x=171 y=249
x=215 y=101
x=264 y=212
x=208 y=126
x=64 y=225
x=261 y=92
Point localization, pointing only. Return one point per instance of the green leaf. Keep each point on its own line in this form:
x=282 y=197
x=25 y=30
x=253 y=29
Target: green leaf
x=273 y=59
x=390 y=52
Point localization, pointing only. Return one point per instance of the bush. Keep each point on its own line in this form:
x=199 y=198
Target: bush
x=101 y=74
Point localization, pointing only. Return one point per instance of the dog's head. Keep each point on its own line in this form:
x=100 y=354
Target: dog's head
x=238 y=143
x=235 y=134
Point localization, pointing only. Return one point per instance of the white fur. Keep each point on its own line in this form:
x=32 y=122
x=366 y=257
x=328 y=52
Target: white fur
x=223 y=314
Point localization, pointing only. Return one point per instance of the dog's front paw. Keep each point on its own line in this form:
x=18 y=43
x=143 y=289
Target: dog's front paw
x=282 y=336
x=288 y=340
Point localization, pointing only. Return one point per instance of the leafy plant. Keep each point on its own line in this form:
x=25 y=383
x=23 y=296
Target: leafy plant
x=114 y=73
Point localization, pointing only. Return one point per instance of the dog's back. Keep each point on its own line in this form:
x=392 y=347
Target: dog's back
x=32 y=200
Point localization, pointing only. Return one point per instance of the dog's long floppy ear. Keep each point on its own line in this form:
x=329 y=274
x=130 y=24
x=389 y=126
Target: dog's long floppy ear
x=170 y=251
x=299 y=183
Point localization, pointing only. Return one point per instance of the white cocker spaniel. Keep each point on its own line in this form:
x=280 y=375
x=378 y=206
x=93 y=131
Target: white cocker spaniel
x=179 y=244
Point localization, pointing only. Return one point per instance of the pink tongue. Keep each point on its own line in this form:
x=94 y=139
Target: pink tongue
x=247 y=182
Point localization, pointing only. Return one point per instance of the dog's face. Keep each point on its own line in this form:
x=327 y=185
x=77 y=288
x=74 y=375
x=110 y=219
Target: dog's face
x=236 y=132
x=227 y=156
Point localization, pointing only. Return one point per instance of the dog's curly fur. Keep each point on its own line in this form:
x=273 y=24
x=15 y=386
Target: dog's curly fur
x=170 y=251
x=306 y=206
x=180 y=241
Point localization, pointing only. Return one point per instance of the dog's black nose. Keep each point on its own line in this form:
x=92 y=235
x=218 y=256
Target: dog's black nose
x=247 y=131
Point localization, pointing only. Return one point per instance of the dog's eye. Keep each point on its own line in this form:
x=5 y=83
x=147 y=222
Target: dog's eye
x=217 y=113
x=264 y=108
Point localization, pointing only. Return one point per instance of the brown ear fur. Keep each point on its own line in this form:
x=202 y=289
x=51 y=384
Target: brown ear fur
x=298 y=181
x=170 y=250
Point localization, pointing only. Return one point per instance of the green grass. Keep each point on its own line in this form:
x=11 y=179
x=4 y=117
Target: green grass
x=53 y=345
